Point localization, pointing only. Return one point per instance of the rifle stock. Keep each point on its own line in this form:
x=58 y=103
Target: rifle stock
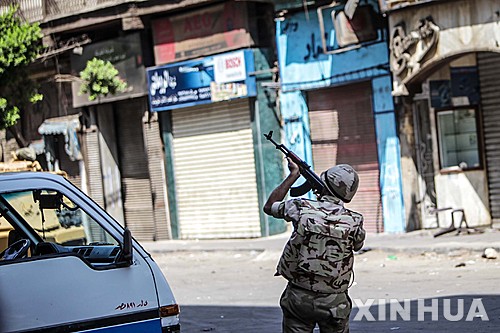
x=313 y=182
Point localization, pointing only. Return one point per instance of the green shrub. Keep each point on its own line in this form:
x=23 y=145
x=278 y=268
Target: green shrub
x=100 y=78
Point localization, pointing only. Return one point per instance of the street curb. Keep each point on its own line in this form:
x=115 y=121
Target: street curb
x=438 y=250
x=421 y=241
x=386 y=249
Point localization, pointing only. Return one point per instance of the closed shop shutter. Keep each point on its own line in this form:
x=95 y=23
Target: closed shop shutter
x=156 y=164
x=343 y=131
x=109 y=163
x=95 y=186
x=214 y=166
x=489 y=77
x=136 y=190
x=94 y=166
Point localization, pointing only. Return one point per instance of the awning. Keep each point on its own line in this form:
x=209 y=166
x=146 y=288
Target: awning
x=59 y=125
x=67 y=126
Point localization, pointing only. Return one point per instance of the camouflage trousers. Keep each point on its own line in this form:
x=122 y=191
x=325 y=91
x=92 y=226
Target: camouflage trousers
x=303 y=309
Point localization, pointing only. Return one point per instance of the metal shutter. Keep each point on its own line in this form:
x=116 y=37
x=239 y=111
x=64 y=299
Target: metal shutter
x=489 y=77
x=214 y=167
x=95 y=186
x=137 y=201
x=110 y=170
x=343 y=131
x=91 y=138
x=156 y=164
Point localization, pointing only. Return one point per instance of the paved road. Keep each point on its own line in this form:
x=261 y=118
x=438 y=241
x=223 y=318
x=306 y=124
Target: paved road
x=235 y=291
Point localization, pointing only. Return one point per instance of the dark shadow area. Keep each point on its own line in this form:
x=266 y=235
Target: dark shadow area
x=1 y=320
x=246 y=319
x=230 y=319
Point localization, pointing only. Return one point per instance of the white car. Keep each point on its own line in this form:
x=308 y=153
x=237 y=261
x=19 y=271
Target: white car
x=68 y=266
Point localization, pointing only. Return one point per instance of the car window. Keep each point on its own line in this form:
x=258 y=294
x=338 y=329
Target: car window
x=61 y=225
x=6 y=229
x=57 y=219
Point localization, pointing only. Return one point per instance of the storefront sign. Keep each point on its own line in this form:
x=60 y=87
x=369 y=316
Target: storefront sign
x=350 y=32
x=465 y=85
x=358 y=29
x=211 y=79
x=230 y=67
x=440 y=93
x=461 y=90
x=125 y=53
x=210 y=30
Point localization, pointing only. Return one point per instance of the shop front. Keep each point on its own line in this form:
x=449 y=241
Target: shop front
x=336 y=102
x=214 y=161
x=119 y=164
x=206 y=91
x=445 y=61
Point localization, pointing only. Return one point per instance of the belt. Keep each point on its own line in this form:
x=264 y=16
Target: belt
x=294 y=286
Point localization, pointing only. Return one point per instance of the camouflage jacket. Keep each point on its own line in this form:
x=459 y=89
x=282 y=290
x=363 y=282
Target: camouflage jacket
x=319 y=254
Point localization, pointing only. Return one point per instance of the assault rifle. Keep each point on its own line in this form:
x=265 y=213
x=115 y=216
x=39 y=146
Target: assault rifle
x=312 y=180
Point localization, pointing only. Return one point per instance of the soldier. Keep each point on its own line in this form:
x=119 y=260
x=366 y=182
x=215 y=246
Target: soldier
x=318 y=258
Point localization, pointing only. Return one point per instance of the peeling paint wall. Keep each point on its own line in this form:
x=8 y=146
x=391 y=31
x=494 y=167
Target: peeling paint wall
x=304 y=66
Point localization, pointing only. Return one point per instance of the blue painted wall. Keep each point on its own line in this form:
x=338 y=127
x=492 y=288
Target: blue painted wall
x=389 y=156
x=304 y=66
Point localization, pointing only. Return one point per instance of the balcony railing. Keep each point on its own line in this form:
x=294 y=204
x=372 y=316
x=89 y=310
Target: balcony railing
x=47 y=10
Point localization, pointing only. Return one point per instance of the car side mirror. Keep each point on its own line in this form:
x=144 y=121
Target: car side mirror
x=126 y=258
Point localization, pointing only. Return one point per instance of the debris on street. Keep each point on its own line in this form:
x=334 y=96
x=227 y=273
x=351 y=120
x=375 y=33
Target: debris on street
x=490 y=253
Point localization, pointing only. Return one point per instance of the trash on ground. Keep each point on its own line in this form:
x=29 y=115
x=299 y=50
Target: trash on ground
x=490 y=253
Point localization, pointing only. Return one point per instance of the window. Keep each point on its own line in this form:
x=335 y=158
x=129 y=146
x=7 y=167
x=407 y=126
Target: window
x=54 y=224
x=458 y=139
x=56 y=219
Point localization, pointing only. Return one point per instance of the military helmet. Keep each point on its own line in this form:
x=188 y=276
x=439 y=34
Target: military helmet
x=342 y=181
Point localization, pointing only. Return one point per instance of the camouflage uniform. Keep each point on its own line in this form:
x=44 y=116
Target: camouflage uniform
x=318 y=263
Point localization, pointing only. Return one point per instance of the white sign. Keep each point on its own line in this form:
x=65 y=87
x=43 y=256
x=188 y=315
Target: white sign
x=230 y=67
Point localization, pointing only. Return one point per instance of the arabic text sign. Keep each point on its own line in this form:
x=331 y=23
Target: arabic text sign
x=209 y=30
x=201 y=81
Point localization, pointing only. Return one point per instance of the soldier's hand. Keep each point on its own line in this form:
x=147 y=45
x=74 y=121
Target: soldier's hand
x=293 y=167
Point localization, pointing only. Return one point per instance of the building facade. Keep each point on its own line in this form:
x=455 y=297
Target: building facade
x=335 y=98
x=206 y=90
x=190 y=171
x=445 y=64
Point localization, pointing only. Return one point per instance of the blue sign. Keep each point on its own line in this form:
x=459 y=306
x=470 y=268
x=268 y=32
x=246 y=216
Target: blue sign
x=210 y=79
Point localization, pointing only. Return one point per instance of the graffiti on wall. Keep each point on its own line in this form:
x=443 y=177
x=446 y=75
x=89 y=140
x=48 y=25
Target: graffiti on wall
x=311 y=48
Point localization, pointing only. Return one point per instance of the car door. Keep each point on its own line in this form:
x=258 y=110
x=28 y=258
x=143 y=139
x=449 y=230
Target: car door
x=71 y=280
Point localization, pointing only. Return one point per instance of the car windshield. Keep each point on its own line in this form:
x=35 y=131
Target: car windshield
x=55 y=218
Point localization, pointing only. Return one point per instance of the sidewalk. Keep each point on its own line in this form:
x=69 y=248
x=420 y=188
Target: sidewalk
x=414 y=242
x=424 y=241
